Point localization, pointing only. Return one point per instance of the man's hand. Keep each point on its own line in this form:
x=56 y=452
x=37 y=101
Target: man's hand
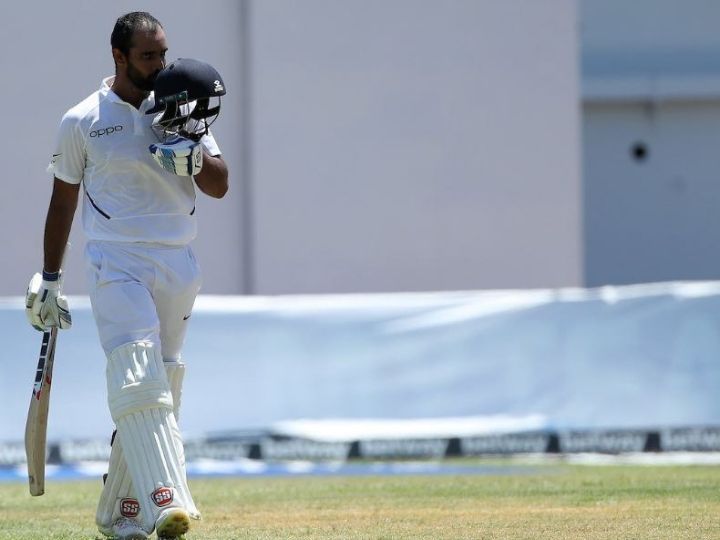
x=45 y=306
x=179 y=156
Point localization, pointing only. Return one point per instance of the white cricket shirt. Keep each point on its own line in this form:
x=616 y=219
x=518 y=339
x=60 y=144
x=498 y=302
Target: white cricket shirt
x=103 y=142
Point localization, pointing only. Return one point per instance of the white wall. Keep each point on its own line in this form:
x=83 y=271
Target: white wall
x=651 y=75
x=415 y=145
x=401 y=145
x=665 y=223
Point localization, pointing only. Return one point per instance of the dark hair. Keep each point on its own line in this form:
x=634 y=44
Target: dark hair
x=127 y=25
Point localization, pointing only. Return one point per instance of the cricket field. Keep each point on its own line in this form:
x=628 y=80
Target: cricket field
x=533 y=501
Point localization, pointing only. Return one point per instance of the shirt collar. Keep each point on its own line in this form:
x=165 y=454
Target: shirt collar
x=106 y=91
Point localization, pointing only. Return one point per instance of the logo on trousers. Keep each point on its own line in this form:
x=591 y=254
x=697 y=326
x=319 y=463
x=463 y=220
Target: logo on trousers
x=162 y=496
x=129 y=508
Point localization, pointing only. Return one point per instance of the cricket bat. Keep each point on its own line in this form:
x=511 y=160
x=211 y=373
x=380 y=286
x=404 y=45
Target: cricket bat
x=36 y=426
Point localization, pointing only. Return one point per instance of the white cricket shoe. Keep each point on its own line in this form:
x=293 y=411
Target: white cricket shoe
x=172 y=523
x=126 y=529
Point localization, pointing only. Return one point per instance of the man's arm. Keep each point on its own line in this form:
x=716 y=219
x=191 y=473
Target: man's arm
x=59 y=220
x=213 y=177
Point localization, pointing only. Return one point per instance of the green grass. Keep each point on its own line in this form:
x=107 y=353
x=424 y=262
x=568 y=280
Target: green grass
x=554 y=502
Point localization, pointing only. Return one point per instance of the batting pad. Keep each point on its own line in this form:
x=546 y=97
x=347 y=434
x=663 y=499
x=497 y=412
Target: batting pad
x=175 y=370
x=142 y=407
x=118 y=497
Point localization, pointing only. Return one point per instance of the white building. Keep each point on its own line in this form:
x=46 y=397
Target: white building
x=411 y=144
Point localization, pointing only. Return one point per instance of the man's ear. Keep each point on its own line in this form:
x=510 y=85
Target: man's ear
x=119 y=57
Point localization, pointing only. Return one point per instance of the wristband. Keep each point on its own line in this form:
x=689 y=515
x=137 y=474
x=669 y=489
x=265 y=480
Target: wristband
x=51 y=276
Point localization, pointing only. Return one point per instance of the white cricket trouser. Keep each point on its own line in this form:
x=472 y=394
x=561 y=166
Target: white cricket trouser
x=140 y=292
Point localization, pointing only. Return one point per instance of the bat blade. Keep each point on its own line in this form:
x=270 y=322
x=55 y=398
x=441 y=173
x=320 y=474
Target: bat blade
x=36 y=425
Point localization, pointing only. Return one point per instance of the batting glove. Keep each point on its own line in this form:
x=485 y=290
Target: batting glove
x=179 y=156
x=45 y=306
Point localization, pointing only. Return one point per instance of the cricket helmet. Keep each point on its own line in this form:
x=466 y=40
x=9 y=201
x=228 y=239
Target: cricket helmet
x=187 y=98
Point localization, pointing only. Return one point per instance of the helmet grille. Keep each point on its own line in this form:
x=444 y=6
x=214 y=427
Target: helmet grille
x=189 y=119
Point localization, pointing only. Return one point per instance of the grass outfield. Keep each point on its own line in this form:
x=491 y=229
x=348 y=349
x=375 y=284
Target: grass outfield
x=552 y=501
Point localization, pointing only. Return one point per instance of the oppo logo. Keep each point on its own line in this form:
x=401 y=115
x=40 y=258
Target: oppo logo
x=106 y=131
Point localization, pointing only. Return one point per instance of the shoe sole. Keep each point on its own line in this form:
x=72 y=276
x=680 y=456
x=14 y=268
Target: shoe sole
x=173 y=524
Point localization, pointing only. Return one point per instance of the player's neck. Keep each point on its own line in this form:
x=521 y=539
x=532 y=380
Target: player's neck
x=128 y=92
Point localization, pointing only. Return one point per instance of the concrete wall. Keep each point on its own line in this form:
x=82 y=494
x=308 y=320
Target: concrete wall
x=410 y=145
x=651 y=79
x=402 y=145
x=656 y=218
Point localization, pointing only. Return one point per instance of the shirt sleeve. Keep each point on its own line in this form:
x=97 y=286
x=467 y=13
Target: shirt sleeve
x=68 y=159
x=210 y=145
